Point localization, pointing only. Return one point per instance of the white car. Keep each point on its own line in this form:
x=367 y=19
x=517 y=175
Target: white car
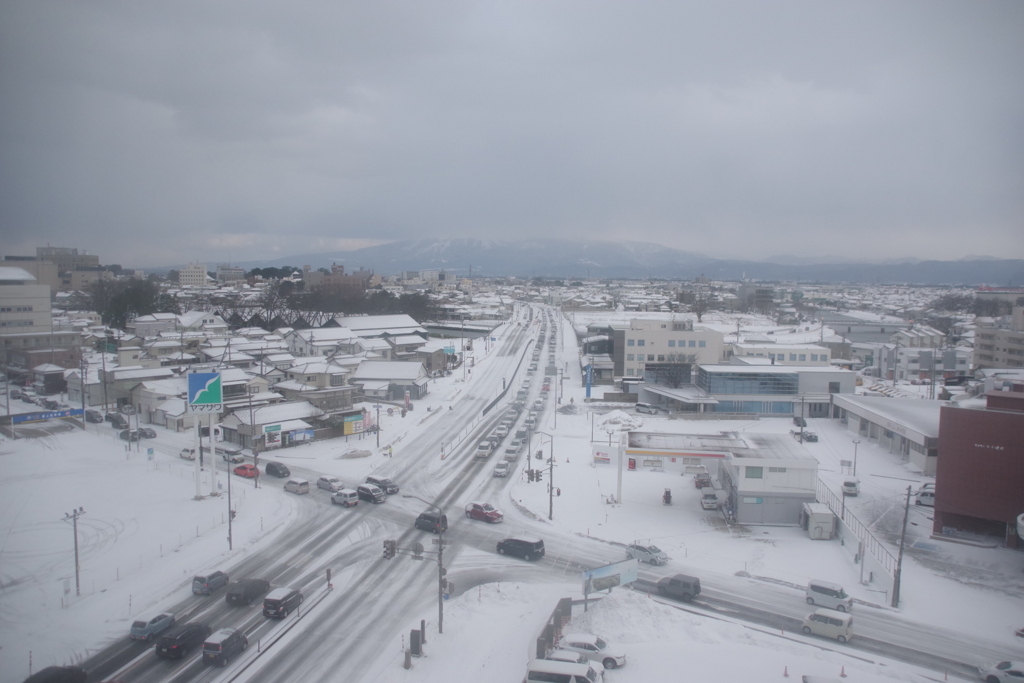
x=502 y=469
x=1002 y=672
x=651 y=554
x=332 y=484
x=595 y=648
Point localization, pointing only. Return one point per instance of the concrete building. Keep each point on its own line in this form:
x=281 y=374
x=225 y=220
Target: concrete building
x=228 y=273
x=1000 y=347
x=27 y=336
x=921 y=363
x=979 y=485
x=193 y=275
x=782 y=354
x=654 y=349
x=767 y=490
x=906 y=427
x=45 y=272
x=67 y=259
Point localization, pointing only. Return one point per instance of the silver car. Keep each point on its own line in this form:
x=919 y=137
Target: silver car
x=651 y=554
x=332 y=484
x=502 y=469
x=148 y=628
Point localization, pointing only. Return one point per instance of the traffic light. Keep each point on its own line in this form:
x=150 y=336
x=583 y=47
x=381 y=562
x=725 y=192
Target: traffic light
x=540 y=475
x=390 y=549
x=529 y=475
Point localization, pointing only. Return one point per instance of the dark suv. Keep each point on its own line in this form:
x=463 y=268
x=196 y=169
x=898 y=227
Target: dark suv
x=276 y=469
x=220 y=647
x=526 y=548
x=799 y=421
x=117 y=420
x=371 y=493
x=245 y=591
x=280 y=602
x=204 y=585
x=432 y=521
x=179 y=640
x=386 y=485
x=679 y=586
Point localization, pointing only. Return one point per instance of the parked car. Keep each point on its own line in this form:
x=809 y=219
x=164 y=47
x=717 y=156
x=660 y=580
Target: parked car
x=332 y=484
x=702 y=480
x=926 y=498
x=131 y=435
x=91 y=415
x=179 y=640
x=526 y=548
x=651 y=554
x=502 y=469
x=280 y=602
x=148 y=628
x=799 y=421
x=595 y=648
x=680 y=586
x=59 y=674
x=147 y=432
x=50 y=404
x=811 y=437
x=119 y=421
x=386 y=485
x=221 y=646
x=245 y=591
x=371 y=493
x=276 y=469
x=15 y=393
x=205 y=584
x=1002 y=672
x=851 y=486
x=432 y=521
x=485 y=512
x=248 y=470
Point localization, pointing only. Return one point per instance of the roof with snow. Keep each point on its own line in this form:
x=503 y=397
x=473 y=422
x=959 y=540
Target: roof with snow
x=391 y=370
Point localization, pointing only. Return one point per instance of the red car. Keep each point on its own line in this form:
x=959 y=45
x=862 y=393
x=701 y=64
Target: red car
x=484 y=511
x=247 y=470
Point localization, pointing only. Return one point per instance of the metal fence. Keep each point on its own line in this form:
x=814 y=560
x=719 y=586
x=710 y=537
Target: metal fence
x=871 y=543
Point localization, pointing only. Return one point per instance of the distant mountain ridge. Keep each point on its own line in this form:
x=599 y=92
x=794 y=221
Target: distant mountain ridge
x=577 y=259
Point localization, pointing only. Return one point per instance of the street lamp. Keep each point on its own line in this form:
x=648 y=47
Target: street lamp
x=73 y=516
x=855 y=443
x=551 y=477
x=440 y=564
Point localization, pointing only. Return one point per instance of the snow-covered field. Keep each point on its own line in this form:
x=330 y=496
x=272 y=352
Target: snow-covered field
x=142 y=537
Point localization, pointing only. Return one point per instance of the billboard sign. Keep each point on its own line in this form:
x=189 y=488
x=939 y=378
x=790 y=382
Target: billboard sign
x=39 y=417
x=610 y=575
x=204 y=393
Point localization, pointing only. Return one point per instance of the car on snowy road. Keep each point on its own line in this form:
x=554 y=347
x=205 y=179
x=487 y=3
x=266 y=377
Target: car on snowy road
x=596 y=649
x=248 y=470
x=332 y=484
x=485 y=512
x=1003 y=672
x=502 y=469
x=651 y=554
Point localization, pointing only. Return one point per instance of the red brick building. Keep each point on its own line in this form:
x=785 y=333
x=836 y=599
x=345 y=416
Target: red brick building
x=979 y=482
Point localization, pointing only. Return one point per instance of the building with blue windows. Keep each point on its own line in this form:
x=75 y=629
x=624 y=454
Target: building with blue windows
x=773 y=389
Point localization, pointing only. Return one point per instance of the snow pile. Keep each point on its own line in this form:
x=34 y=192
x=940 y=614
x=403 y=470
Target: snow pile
x=619 y=421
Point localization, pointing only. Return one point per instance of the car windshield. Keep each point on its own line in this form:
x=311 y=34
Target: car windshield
x=487 y=507
x=653 y=549
x=139 y=624
x=600 y=644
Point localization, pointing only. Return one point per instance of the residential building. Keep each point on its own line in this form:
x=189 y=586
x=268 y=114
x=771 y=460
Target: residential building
x=390 y=380
x=1001 y=347
x=664 y=349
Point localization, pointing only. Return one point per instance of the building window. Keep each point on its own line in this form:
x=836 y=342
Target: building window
x=639 y=342
x=792 y=356
x=833 y=387
x=629 y=372
x=629 y=342
x=661 y=358
x=693 y=344
x=814 y=356
x=754 y=472
x=629 y=356
x=803 y=356
x=650 y=357
x=671 y=343
x=777 y=469
x=702 y=344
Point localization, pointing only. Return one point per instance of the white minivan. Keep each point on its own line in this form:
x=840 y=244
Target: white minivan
x=829 y=623
x=830 y=595
x=546 y=670
x=925 y=497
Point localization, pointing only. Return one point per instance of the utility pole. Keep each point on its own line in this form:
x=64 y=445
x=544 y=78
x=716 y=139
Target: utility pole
x=899 y=560
x=81 y=374
x=440 y=564
x=231 y=513
x=378 y=425
x=855 y=443
x=73 y=516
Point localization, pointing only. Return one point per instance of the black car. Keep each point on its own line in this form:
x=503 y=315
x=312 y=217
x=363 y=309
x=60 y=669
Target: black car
x=177 y=642
x=50 y=404
x=246 y=591
x=118 y=421
x=93 y=416
x=147 y=432
x=526 y=548
x=59 y=674
x=129 y=435
x=276 y=469
x=799 y=421
x=386 y=485
x=223 y=645
x=371 y=493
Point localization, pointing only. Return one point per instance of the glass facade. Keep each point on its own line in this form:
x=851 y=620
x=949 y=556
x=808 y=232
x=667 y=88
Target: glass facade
x=749 y=383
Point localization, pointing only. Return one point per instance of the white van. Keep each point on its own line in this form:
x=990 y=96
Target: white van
x=851 y=486
x=646 y=408
x=298 y=486
x=830 y=595
x=549 y=671
x=829 y=623
x=483 y=449
x=345 y=498
x=925 y=497
x=708 y=498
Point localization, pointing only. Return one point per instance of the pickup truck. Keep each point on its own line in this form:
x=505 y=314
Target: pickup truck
x=485 y=512
x=680 y=586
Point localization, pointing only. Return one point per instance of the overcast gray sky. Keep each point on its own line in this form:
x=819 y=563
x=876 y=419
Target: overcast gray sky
x=165 y=132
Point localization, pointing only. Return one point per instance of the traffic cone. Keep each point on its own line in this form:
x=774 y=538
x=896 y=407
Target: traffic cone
x=842 y=672
x=785 y=672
